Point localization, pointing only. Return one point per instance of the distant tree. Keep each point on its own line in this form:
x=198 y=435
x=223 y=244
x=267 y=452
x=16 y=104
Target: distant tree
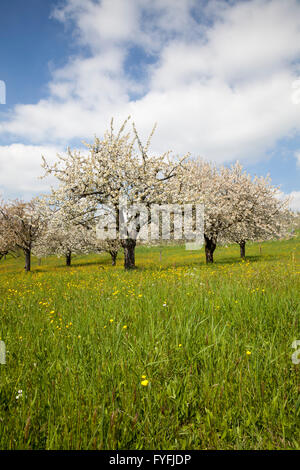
x=5 y=242
x=71 y=231
x=214 y=186
x=237 y=208
x=262 y=214
x=22 y=225
x=109 y=246
x=63 y=240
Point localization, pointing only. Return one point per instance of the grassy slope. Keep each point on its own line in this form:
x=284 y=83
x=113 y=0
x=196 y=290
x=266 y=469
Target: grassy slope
x=188 y=329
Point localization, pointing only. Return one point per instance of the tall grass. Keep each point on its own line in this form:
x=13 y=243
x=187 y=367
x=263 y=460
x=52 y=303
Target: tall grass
x=211 y=344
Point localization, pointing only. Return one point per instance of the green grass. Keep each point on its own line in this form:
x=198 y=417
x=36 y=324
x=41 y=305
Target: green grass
x=188 y=329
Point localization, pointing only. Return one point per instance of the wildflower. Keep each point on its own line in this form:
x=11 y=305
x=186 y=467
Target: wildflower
x=144 y=383
x=111 y=320
x=248 y=353
x=143 y=376
x=20 y=394
x=124 y=327
x=179 y=345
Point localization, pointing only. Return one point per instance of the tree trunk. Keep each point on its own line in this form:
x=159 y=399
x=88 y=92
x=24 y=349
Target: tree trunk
x=68 y=258
x=27 y=252
x=113 y=255
x=129 y=253
x=210 y=246
x=243 y=248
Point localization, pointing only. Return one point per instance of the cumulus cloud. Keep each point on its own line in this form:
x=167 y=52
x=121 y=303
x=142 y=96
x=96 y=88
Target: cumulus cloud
x=216 y=76
x=20 y=168
x=295 y=200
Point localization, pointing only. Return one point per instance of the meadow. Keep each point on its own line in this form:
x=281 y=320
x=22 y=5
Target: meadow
x=173 y=355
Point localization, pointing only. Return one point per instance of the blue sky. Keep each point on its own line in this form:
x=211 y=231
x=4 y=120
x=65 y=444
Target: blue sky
x=30 y=44
x=221 y=79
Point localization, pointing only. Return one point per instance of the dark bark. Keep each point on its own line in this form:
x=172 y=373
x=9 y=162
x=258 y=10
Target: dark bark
x=27 y=253
x=113 y=255
x=129 y=253
x=68 y=258
x=210 y=246
x=3 y=255
x=243 y=248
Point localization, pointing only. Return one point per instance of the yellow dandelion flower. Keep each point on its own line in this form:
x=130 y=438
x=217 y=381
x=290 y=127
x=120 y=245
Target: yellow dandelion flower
x=144 y=383
x=124 y=327
x=248 y=353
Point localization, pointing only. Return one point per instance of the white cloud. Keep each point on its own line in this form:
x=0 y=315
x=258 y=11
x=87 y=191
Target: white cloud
x=222 y=90
x=20 y=168
x=219 y=122
x=295 y=200
x=106 y=23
